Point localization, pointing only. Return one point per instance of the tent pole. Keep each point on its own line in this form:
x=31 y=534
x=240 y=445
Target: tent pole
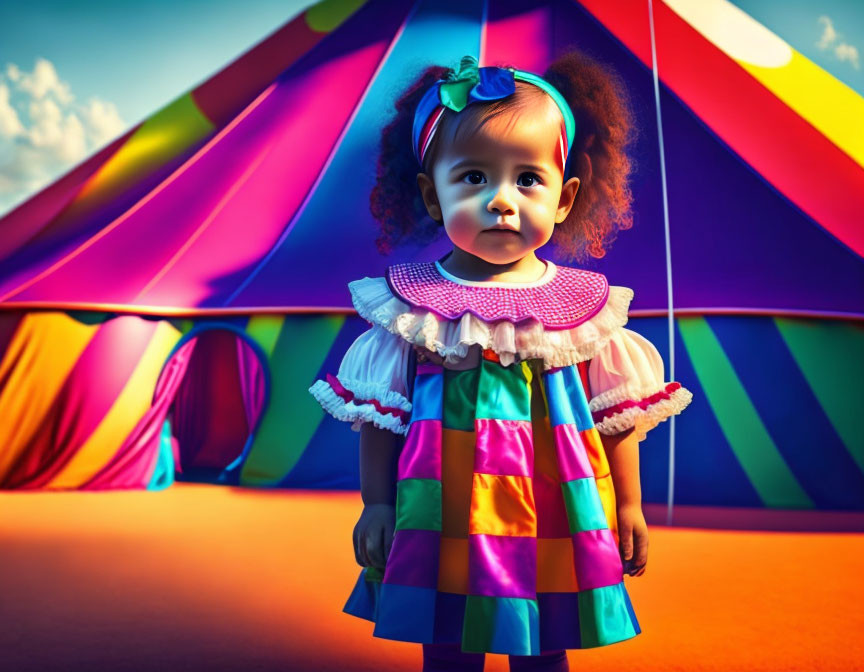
x=671 y=314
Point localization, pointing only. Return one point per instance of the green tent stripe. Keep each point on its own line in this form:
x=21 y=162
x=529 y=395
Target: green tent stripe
x=829 y=355
x=164 y=135
x=264 y=330
x=293 y=414
x=738 y=418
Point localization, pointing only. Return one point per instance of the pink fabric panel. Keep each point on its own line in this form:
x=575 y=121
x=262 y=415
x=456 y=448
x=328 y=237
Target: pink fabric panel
x=596 y=558
x=504 y=447
x=573 y=459
x=421 y=454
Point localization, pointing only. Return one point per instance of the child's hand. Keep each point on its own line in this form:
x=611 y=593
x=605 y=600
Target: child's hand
x=373 y=535
x=633 y=539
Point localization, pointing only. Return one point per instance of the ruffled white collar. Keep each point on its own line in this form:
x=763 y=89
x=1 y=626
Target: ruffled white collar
x=424 y=320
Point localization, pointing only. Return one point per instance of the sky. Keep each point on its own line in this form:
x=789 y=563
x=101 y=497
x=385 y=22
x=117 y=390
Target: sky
x=75 y=75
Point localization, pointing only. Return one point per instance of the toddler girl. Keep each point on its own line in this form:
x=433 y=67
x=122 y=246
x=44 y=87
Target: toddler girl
x=499 y=398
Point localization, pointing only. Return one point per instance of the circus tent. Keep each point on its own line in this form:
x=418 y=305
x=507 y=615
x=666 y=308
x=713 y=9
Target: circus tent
x=225 y=227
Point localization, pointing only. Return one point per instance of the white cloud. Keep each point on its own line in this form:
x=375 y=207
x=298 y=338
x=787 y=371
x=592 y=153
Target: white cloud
x=828 y=32
x=10 y=124
x=102 y=120
x=13 y=72
x=43 y=130
x=846 y=52
x=843 y=51
x=44 y=80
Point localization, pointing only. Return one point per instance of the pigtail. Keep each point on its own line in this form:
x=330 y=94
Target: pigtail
x=599 y=158
x=395 y=200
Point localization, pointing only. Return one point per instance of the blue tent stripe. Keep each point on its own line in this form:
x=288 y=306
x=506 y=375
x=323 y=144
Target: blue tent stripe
x=707 y=473
x=790 y=411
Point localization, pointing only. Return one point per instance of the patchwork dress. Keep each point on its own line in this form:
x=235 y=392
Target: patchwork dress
x=506 y=534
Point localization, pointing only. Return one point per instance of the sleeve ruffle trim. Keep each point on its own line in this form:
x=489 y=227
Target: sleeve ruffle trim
x=451 y=339
x=368 y=402
x=644 y=415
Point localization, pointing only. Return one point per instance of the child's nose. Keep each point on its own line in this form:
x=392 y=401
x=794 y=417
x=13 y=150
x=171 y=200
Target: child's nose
x=502 y=202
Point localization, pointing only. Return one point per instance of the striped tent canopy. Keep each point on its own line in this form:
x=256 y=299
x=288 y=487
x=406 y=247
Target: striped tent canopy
x=243 y=206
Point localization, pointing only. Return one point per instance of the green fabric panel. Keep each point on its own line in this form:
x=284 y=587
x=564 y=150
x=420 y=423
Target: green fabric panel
x=498 y=624
x=603 y=616
x=327 y=16
x=830 y=355
x=460 y=399
x=584 y=508
x=739 y=420
x=264 y=330
x=503 y=392
x=293 y=415
x=418 y=504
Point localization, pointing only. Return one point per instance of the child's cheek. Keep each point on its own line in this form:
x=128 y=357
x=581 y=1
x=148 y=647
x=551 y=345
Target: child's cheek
x=461 y=226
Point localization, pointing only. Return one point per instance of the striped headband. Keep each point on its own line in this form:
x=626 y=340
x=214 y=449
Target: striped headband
x=472 y=85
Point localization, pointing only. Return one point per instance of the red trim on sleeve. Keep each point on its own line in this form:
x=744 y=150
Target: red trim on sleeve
x=347 y=396
x=665 y=393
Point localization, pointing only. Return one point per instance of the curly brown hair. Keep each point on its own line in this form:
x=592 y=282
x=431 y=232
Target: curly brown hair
x=604 y=130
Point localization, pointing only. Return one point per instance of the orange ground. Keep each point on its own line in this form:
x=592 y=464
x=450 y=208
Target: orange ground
x=209 y=578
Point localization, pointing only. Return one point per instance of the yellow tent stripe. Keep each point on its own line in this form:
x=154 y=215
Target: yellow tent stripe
x=37 y=362
x=834 y=109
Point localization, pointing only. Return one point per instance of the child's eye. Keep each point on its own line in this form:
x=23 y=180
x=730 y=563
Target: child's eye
x=474 y=177
x=528 y=180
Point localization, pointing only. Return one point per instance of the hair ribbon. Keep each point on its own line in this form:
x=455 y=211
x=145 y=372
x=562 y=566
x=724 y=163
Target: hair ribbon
x=471 y=84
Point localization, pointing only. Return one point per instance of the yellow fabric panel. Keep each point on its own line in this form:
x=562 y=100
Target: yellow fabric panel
x=453 y=566
x=37 y=362
x=556 y=571
x=606 y=490
x=503 y=505
x=129 y=407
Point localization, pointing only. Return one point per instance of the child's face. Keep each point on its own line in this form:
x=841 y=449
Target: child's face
x=500 y=191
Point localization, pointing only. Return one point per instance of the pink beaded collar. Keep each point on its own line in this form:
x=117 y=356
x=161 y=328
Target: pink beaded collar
x=562 y=299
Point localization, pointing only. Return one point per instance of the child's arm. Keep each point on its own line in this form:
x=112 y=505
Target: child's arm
x=378 y=460
x=622 y=451
x=373 y=534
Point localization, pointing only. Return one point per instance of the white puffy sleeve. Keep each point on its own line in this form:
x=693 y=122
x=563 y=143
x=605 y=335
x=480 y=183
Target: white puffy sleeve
x=371 y=385
x=627 y=387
